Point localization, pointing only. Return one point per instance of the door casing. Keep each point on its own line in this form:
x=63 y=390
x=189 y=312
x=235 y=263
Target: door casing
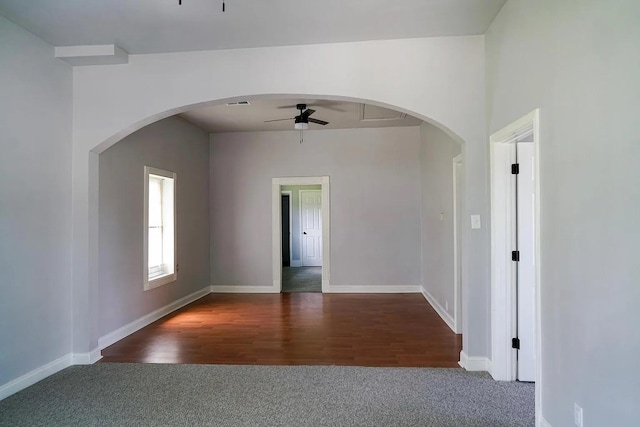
x=458 y=195
x=502 y=271
x=276 y=227
x=290 y=194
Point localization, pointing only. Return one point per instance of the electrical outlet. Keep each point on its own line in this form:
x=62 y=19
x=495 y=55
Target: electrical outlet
x=577 y=415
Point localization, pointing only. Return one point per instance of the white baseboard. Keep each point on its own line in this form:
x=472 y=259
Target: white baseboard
x=296 y=263
x=86 y=358
x=216 y=289
x=474 y=363
x=115 y=336
x=371 y=289
x=326 y=286
x=451 y=323
x=34 y=376
x=543 y=422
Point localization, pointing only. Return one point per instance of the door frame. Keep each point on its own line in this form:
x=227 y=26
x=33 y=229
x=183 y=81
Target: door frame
x=502 y=269
x=276 y=227
x=300 y=214
x=290 y=194
x=457 y=258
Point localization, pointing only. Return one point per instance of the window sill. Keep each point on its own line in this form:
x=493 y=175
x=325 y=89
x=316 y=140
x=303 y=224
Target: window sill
x=160 y=281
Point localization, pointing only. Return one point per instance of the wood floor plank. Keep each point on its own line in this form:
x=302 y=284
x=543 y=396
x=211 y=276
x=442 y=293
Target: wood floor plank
x=296 y=329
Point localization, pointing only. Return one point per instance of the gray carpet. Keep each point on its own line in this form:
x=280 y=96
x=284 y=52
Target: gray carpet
x=302 y=279
x=107 y=394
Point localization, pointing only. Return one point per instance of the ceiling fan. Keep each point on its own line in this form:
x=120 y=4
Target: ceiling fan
x=302 y=120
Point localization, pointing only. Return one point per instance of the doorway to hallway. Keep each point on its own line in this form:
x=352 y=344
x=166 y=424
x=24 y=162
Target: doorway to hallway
x=301 y=234
x=301 y=238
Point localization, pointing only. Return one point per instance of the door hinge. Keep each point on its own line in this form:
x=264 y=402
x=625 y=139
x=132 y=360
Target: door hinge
x=515 y=168
x=515 y=255
x=515 y=343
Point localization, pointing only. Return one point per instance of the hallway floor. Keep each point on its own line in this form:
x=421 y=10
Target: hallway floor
x=301 y=279
x=296 y=329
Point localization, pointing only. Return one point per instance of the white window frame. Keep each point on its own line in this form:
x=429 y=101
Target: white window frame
x=170 y=274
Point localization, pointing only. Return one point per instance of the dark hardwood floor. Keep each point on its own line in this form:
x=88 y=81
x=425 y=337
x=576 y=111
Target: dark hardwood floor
x=296 y=329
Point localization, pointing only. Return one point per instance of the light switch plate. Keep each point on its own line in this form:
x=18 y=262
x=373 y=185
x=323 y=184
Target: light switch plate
x=475 y=221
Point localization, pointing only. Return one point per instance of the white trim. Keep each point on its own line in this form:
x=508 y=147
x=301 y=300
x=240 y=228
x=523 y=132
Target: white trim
x=500 y=301
x=439 y=309
x=86 y=358
x=474 y=363
x=97 y=54
x=126 y=330
x=296 y=263
x=172 y=275
x=538 y=218
x=290 y=194
x=276 y=230
x=457 y=281
x=371 y=289
x=543 y=422
x=32 y=377
x=223 y=289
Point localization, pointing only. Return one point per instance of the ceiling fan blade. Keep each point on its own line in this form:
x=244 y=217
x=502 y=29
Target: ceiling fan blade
x=329 y=105
x=279 y=120
x=307 y=113
x=320 y=122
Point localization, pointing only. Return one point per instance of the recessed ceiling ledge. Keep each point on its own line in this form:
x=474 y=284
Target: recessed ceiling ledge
x=99 y=54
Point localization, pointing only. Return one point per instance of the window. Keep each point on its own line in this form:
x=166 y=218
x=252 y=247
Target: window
x=159 y=227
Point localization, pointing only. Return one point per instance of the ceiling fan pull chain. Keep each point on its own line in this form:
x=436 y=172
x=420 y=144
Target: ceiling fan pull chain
x=223 y=6
x=301 y=139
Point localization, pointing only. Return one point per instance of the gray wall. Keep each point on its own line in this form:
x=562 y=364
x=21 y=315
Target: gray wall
x=295 y=216
x=171 y=144
x=375 y=202
x=35 y=203
x=582 y=70
x=437 y=151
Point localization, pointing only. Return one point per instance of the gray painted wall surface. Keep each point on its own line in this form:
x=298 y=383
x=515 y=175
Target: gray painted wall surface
x=437 y=151
x=295 y=216
x=171 y=144
x=375 y=202
x=35 y=203
x=582 y=70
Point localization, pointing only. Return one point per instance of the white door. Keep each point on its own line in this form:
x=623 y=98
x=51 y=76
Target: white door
x=526 y=265
x=311 y=227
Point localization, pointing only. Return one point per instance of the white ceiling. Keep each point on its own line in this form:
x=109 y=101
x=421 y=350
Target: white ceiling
x=340 y=115
x=152 y=26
